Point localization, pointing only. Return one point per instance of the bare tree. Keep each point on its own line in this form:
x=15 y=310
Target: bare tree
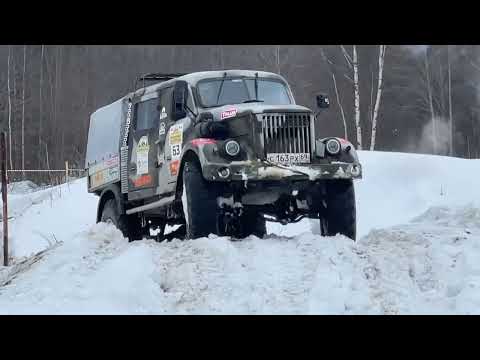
x=339 y=102
x=9 y=110
x=357 y=98
x=352 y=62
x=450 y=115
x=381 y=59
x=430 y=100
x=40 y=120
x=23 y=110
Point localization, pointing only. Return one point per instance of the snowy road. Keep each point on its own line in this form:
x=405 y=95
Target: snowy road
x=419 y=252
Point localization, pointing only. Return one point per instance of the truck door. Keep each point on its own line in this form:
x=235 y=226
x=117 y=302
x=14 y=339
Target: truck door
x=143 y=142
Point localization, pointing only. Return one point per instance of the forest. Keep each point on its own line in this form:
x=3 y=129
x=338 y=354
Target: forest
x=407 y=98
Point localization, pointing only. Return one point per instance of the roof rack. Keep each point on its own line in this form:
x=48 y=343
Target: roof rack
x=157 y=77
x=160 y=76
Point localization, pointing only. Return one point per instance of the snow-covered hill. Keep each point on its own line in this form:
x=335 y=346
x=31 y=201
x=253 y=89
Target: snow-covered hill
x=418 y=252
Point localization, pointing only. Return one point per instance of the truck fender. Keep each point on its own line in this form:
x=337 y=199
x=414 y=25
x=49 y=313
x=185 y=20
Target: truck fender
x=192 y=150
x=110 y=192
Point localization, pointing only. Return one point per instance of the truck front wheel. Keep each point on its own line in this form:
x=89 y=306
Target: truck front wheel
x=340 y=214
x=199 y=201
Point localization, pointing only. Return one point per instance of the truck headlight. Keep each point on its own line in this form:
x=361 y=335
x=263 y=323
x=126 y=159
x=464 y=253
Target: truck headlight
x=333 y=146
x=232 y=148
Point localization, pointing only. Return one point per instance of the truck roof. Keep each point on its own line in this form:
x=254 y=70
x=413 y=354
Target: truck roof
x=195 y=77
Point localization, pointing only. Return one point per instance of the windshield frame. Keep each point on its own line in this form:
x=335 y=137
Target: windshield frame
x=260 y=78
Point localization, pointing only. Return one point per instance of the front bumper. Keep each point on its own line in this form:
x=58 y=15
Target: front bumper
x=265 y=171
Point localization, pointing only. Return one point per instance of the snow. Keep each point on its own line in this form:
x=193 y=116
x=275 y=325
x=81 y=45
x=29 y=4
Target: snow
x=418 y=253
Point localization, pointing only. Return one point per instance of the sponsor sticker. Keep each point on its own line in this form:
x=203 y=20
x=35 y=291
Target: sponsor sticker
x=104 y=176
x=161 y=129
x=202 y=141
x=228 y=113
x=163 y=114
x=97 y=179
x=174 y=167
x=142 y=155
x=175 y=140
x=142 y=181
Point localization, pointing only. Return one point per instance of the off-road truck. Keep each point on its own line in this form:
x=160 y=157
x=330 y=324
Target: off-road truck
x=217 y=152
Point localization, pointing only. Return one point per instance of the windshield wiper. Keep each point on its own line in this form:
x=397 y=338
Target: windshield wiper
x=252 y=101
x=256 y=85
x=221 y=86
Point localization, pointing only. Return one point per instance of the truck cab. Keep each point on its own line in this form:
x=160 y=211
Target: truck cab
x=218 y=152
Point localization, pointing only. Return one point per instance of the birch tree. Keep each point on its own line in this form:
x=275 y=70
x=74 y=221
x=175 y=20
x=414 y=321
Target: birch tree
x=352 y=62
x=381 y=58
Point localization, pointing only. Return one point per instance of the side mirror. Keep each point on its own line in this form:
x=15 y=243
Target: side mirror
x=322 y=101
x=180 y=94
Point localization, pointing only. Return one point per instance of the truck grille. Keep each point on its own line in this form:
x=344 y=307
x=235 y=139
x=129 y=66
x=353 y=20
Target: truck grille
x=286 y=133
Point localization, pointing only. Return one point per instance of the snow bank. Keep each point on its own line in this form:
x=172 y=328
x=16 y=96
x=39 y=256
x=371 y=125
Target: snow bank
x=22 y=187
x=396 y=187
x=42 y=218
x=430 y=264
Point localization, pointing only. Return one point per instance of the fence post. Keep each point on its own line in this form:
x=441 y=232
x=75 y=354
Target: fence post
x=3 y=161
x=66 y=171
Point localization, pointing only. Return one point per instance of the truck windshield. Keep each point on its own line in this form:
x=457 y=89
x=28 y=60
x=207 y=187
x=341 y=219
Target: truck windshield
x=218 y=92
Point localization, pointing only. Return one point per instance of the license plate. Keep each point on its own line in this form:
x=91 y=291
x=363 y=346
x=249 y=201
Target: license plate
x=289 y=158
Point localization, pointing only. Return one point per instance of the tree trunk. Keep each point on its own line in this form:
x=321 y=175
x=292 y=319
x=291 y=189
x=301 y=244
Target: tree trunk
x=430 y=100
x=23 y=110
x=341 y=107
x=9 y=110
x=40 y=120
x=381 y=59
x=370 y=109
x=450 y=116
x=357 y=99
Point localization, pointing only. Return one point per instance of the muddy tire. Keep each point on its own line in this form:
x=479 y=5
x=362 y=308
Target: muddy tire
x=201 y=202
x=129 y=226
x=253 y=224
x=340 y=215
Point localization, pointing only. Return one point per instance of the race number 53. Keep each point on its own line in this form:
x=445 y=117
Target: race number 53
x=175 y=150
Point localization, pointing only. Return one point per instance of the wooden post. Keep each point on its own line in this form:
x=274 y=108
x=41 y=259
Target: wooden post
x=3 y=161
x=66 y=171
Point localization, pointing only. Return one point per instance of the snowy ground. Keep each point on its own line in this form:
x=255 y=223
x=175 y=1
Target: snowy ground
x=418 y=252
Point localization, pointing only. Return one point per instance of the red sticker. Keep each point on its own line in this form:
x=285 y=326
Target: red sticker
x=343 y=141
x=142 y=181
x=202 y=141
x=174 y=166
x=228 y=114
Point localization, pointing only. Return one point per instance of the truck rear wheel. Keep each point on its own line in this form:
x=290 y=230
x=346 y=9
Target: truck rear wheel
x=199 y=202
x=340 y=215
x=129 y=226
